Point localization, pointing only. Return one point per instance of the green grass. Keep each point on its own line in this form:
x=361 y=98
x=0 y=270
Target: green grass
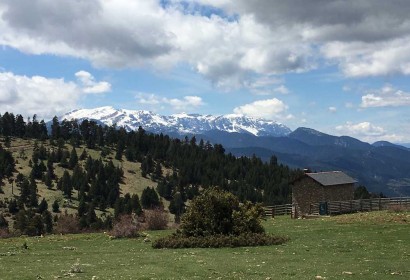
x=361 y=246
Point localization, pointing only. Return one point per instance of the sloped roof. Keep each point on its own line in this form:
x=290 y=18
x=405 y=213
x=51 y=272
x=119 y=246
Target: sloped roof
x=331 y=178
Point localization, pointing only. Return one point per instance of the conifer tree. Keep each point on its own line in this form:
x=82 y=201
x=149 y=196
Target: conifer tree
x=43 y=206
x=73 y=159
x=56 y=207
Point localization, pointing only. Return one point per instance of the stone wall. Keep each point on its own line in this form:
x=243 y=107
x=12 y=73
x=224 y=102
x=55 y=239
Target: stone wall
x=307 y=191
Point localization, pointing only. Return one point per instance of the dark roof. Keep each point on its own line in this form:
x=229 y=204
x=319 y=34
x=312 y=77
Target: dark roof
x=331 y=178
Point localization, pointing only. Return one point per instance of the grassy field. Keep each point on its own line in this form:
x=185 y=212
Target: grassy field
x=360 y=246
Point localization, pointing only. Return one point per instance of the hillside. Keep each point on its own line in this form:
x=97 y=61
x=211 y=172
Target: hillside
x=90 y=174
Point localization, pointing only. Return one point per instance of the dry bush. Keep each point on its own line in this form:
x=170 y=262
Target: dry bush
x=156 y=219
x=125 y=226
x=396 y=208
x=67 y=223
x=5 y=233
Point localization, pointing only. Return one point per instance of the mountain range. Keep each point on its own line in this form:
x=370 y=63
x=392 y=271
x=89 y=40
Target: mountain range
x=381 y=166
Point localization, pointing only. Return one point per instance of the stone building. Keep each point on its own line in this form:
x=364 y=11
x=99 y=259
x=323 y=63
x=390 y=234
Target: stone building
x=320 y=188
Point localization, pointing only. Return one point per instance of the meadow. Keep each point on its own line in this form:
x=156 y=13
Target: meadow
x=358 y=246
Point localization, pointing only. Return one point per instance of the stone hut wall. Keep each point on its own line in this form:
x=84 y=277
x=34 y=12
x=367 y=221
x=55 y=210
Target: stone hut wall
x=307 y=191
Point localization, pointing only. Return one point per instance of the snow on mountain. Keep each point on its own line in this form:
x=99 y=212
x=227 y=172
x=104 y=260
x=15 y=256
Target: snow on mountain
x=179 y=123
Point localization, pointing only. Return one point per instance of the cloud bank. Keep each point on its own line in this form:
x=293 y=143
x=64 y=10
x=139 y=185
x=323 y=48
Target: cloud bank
x=263 y=37
x=43 y=96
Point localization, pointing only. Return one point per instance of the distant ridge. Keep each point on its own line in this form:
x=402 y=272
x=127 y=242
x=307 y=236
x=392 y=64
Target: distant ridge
x=179 y=123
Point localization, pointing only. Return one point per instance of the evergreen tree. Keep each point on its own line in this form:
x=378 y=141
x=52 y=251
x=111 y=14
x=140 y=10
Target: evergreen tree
x=82 y=207
x=83 y=155
x=149 y=198
x=43 y=206
x=3 y=222
x=73 y=159
x=66 y=185
x=33 y=199
x=48 y=221
x=55 y=128
x=135 y=204
x=177 y=206
x=56 y=207
x=12 y=207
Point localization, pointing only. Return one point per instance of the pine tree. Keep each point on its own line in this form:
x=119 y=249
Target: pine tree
x=177 y=206
x=149 y=198
x=135 y=204
x=48 y=221
x=43 y=206
x=82 y=207
x=33 y=199
x=3 y=222
x=73 y=159
x=56 y=207
x=66 y=185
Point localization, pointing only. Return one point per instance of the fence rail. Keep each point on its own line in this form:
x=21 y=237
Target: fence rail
x=362 y=205
x=278 y=210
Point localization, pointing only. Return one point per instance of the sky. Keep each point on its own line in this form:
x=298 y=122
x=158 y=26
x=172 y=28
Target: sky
x=340 y=67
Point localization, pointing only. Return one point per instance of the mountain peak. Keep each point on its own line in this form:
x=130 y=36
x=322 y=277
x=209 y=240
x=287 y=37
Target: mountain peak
x=181 y=123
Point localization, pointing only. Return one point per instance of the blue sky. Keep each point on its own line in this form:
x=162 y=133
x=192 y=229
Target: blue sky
x=335 y=66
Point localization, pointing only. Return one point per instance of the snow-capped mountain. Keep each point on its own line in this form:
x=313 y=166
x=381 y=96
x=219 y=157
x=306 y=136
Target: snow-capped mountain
x=179 y=123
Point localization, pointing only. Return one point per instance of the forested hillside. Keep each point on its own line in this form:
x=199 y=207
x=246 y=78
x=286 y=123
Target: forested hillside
x=92 y=174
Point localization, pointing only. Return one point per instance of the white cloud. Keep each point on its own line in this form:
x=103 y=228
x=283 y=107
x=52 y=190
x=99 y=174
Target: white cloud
x=367 y=131
x=386 y=96
x=36 y=95
x=39 y=95
x=185 y=104
x=262 y=37
x=332 y=109
x=90 y=85
x=267 y=109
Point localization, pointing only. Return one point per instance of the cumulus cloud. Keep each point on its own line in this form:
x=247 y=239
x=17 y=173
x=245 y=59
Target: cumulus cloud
x=185 y=104
x=90 y=85
x=263 y=37
x=386 y=96
x=367 y=131
x=36 y=95
x=267 y=109
x=39 y=95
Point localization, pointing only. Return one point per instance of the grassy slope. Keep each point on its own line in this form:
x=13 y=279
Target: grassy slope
x=369 y=246
x=133 y=181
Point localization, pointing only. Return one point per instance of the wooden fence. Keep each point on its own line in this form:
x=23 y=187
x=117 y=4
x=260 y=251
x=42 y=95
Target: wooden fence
x=362 y=205
x=278 y=210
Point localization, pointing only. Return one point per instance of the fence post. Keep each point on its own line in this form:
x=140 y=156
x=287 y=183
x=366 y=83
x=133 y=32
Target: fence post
x=273 y=212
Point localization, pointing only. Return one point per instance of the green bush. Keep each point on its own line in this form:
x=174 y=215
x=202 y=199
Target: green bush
x=216 y=219
x=217 y=212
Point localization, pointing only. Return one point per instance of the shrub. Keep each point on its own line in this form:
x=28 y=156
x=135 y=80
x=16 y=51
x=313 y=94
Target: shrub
x=67 y=223
x=217 y=219
x=5 y=233
x=218 y=212
x=125 y=226
x=397 y=208
x=156 y=219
